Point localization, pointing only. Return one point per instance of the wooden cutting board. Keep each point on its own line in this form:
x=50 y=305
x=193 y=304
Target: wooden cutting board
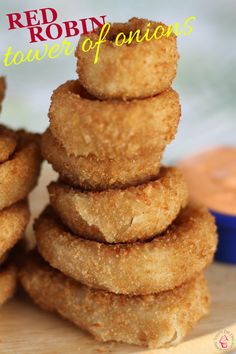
x=25 y=329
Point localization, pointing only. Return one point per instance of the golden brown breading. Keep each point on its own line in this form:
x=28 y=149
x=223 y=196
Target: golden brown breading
x=8 y=143
x=163 y=263
x=92 y=174
x=2 y=90
x=137 y=70
x=152 y=320
x=110 y=129
x=13 y=221
x=19 y=175
x=122 y=215
x=7 y=283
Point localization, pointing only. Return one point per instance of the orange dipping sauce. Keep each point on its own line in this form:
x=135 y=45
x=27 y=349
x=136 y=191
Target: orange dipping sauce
x=211 y=178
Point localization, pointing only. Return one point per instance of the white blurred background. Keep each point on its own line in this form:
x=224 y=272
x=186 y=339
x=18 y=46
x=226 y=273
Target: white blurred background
x=206 y=79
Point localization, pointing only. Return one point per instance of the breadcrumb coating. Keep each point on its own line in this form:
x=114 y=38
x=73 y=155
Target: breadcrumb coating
x=129 y=71
x=13 y=221
x=93 y=174
x=19 y=174
x=110 y=129
x=139 y=268
x=153 y=320
x=121 y=215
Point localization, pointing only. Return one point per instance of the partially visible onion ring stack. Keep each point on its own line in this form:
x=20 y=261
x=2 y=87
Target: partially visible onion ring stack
x=124 y=248
x=20 y=161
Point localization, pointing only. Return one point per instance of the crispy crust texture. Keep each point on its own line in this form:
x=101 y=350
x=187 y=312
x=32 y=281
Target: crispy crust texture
x=20 y=173
x=122 y=215
x=13 y=221
x=8 y=280
x=152 y=320
x=139 y=268
x=130 y=71
x=110 y=129
x=92 y=174
x=2 y=90
x=8 y=143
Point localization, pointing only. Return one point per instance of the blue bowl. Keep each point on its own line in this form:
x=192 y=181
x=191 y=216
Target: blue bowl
x=226 y=250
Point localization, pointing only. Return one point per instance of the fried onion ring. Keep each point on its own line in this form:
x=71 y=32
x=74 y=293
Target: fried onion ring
x=129 y=71
x=8 y=143
x=110 y=129
x=152 y=320
x=2 y=90
x=135 y=213
x=13 y=221
x=92 y=174
x=19 y=175
x=139 y=268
